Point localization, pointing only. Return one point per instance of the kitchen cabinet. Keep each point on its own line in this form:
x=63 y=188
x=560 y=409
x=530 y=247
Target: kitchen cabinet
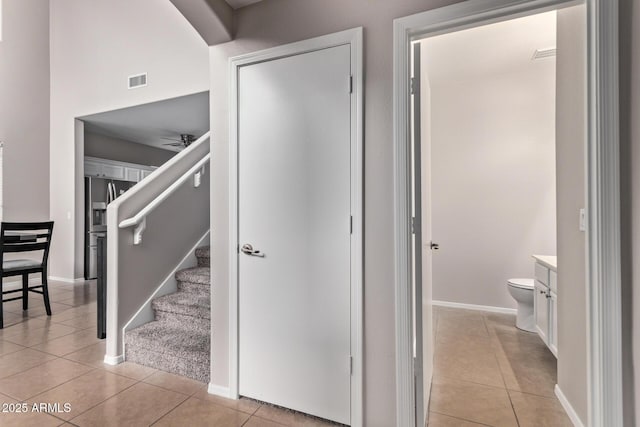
x=92 y=168
x=545 y=300
x=145 y=173
x=111 y=169
x=113 y=172
x=132 y=174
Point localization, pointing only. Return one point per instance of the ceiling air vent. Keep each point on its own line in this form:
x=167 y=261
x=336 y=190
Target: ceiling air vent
x=548 y=52
x=139 y=80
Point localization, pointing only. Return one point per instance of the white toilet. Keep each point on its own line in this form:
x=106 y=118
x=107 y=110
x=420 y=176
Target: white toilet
x=522 y=291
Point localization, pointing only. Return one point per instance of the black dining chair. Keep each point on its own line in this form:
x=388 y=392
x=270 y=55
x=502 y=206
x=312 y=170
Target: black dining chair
x=25 y=237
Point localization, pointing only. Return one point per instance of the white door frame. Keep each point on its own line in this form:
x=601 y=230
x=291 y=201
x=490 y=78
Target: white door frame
x=353 y=38
x=603 y=192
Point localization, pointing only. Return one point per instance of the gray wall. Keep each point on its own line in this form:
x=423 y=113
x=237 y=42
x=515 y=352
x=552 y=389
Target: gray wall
x=95 y=45
x=493 y=176
x=24 y=109
x=570 y=157
x=275 y=22
x=106 y=147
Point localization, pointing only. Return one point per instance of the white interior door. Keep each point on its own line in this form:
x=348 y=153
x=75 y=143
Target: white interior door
x=294 y=121
x=416 y=184
x=426 y=230
x=422 y=234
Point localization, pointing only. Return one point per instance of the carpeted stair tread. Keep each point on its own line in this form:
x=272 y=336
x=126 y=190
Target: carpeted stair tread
x=185 y=303
x=194 y=287
x=178 y=340
x=199 y=275
x=165 y=338
x=203 y=252
x=198 y=370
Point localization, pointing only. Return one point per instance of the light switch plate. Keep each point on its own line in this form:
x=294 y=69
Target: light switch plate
x=583 y=220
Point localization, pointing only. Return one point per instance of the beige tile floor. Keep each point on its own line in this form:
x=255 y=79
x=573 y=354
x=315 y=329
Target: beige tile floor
x=58 y=359
x=488 y=373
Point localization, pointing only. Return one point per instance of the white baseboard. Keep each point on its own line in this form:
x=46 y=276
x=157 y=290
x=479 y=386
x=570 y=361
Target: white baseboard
x=575 y=419
x=67 y=280
x=113 y=360
x=489 y=308
x=220 y=391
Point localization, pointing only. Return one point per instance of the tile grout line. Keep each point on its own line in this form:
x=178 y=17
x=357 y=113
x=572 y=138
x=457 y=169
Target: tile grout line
x=168 y=389
x=34 y=366
x=462 y=419
x=102 y=401
x=493 y=386
x=49 y=389
x=504 y=381
x=170 y=411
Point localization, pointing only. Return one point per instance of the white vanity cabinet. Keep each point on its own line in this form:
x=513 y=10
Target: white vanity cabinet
x=541 y=310
x=545 y=300
x=553 y=319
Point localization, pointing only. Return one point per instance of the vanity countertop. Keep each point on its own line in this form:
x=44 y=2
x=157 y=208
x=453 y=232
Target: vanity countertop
x=548 y=261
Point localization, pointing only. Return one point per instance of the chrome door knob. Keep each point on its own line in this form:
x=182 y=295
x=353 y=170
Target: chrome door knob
x=247 y=249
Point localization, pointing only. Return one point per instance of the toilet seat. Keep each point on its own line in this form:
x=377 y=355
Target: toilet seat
x=521 y=283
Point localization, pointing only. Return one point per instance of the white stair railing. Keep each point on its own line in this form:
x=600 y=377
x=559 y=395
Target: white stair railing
x=139 y=220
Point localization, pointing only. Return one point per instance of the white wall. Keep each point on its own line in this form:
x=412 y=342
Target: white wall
x=95 y=45
x=107 y=147
x=24 y=109
x=493 y=178
x=571 y=140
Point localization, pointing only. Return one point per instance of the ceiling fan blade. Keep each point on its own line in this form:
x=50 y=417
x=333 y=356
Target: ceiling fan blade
x=175 y=144
x=171 y=139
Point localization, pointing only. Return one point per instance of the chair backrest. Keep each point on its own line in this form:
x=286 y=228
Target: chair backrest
x=26 y=237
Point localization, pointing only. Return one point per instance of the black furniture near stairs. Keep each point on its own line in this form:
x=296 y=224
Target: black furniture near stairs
x=25 y=237
x=102 y=288
x=178 y=340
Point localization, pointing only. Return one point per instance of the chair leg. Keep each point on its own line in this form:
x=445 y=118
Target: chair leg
x=1 y=303
x=45 y=293
x=25 y=292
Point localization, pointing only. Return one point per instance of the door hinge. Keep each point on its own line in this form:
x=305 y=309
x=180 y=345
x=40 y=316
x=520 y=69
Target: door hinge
x=413 y=86
x=413 y=225
x=351 y=224
x=350 y=84
x=350 y=365
x=416 y=367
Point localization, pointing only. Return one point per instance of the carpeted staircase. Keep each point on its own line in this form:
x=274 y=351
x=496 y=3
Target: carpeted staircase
x=178 y=339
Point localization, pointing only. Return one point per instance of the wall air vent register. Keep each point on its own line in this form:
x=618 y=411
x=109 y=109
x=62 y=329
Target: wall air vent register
x=138 y=80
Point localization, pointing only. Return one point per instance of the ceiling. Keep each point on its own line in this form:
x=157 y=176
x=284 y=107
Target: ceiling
x=237 y=4
x=496 y=48
x=149 y=123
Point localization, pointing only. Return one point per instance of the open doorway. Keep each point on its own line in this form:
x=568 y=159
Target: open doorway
x=121 y=148
x=499 y=132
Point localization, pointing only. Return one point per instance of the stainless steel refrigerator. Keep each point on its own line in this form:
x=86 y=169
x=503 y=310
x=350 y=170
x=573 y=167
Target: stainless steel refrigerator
x=98 y=193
